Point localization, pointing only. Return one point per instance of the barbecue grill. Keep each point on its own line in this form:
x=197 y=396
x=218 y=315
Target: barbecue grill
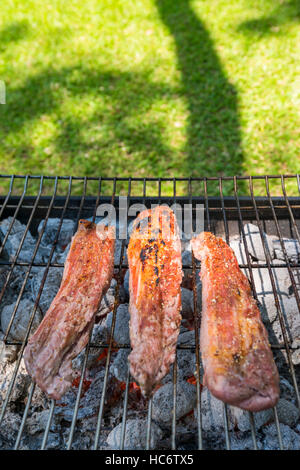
x=30 y=199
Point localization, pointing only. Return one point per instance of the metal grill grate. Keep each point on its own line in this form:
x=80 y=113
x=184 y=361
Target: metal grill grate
x=278 y=215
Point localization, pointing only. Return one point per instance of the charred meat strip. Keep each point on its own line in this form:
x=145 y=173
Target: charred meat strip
x=65 y=329
x=154 y=256
x=239 y=368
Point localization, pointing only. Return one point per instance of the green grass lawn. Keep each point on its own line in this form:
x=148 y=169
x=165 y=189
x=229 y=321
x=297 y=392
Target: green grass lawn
x=162 y=88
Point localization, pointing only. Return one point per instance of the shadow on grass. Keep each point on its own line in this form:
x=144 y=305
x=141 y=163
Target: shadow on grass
x=284 y=14
x=108 y=134
x=13 y=32
x=213 y=135
x=114 y=132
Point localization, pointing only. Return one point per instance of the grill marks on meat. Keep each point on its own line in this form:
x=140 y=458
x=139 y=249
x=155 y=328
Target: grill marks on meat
x=239 y=368
x=65 y=329
x=154 y=256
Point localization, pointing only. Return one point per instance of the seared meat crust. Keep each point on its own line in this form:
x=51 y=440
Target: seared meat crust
x=238 y=363
x=154 y=256
x=65 y=329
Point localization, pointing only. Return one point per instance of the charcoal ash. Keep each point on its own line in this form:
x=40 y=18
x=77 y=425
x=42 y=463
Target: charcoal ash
x=89 y=402
x=121 y=330
x=7 y=248
x=256 y=244
x=186 y=426
x=187 y=299
x=287 y=390
x=239 y=250
x=266 y=439
x=287 y=302
x=163 y=402
x=290 y=438
x=21 y=320
x=40 y=401
x=51 y=229
x=37 y=422
x=187 y=303
x=81 y=441
x=8 y=352
x=135 y=435
x=241 y=419
x=17 y=227
x=100 y=335
x=264 y=289
x=292 y=321
x=9 y=429
x=119 y=367
x=21 y=385
x=186 y=259
x=15 y=281
x=109 y=299
x=14 y=240
x=296 y=352
x=288 y=413
x=186 y=358
x=60 y=256
x=34 y=442
x=212 y=412
x=243 y=441
x=291 y=247
x=50 y=288
x=126 y=283
x=15 y=236
x=118 y=252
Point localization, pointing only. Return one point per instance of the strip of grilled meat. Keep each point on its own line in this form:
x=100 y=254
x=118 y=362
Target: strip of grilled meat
x=65 y=329
x=239 y=368
x=154 y=256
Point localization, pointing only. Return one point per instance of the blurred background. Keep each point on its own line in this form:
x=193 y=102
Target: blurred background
x=162 y=88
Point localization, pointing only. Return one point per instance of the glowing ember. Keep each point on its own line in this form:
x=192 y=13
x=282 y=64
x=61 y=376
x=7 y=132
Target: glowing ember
x=192 y=380
x=104 y=354
x=85 y=384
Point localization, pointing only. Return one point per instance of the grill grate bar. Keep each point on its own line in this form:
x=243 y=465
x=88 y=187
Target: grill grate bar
x=225 y=406
x=125 y=409
x=294 y=225
x=173 y=437
x=15 y=216
x=116 y=304
x=250 y=414
x=174 y=376
x=252 y=429
x=278 y=428
x=125 y=265
x=4 y=205
x=32 y=259
x=224 y=210
x=196 y=320
x=278 y=307
x=255 y=296
x=21 y=428
x=288 y=265
x=1 y=296
x=75 y=412
x=4 y=407
x=47 y=429
x=149 y=422
x=251 y=417
x=154 y=179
